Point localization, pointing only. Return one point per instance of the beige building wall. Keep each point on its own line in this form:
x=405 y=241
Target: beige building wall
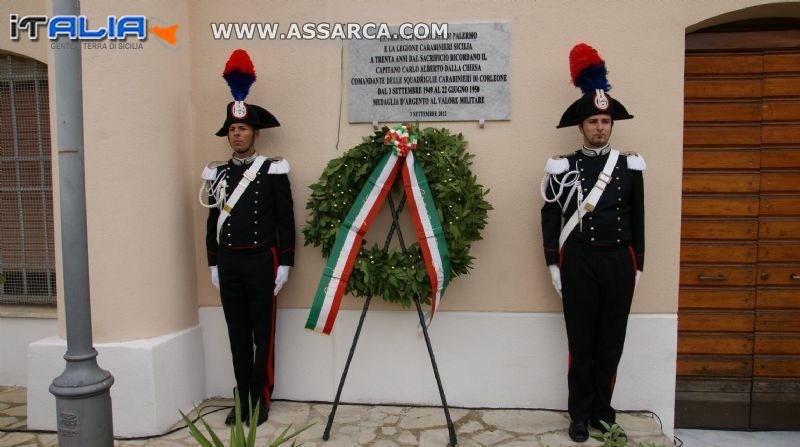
x=299 y=81
x=137 y=148
x=33 y=49
x=138 y=136
x=150 y=115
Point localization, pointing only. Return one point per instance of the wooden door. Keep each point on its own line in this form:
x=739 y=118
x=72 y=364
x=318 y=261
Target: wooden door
x=739 y=318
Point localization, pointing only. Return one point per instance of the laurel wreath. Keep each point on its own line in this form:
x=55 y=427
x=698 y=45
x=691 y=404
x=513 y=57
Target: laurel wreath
x=459 y=198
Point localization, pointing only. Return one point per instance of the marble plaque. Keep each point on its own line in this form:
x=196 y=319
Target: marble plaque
x=461 y=76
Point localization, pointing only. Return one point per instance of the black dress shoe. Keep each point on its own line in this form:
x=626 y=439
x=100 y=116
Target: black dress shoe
x=578 y=431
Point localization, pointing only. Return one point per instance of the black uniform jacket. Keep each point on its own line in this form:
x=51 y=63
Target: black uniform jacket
x=618 y=218
x=263 y=217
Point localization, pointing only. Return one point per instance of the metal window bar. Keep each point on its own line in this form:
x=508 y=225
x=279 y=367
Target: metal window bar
x=27 y=258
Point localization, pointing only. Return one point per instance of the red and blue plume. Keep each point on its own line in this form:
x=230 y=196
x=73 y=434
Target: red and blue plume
x=587 y=69
x=240 y=74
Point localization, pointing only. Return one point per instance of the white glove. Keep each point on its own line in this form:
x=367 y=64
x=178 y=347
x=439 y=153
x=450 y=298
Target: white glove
x=555 y=275
x=636 y=281
x=281 y=276
x=215 y=276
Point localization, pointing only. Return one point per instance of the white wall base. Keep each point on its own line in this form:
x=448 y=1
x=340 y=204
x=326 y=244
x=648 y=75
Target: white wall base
x=485 y=360
x=16 y=334
x=153 y=379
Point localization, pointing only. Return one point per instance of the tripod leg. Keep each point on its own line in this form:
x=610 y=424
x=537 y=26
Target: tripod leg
x=450 y=428
x=327 y=433
x=395 y=222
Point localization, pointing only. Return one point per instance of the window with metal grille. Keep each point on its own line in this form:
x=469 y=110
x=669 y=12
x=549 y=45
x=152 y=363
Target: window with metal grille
x=27 y=267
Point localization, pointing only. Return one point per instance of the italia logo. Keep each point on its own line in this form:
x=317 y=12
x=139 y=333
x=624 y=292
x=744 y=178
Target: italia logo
x=77 y=28
x=600 y=100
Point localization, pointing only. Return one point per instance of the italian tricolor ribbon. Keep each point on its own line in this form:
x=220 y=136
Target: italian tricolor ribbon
x=358 y=220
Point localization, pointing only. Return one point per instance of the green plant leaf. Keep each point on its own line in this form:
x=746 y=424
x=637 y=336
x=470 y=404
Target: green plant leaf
x=251 y=434
x=214 y=437
x=285 y=436
x=195 y=432
x=237 y=427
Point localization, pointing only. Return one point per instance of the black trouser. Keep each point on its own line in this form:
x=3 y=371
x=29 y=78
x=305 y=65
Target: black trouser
x=247 y=282
x=597 y=286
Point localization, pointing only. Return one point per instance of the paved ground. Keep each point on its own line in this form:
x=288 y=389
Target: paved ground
x=357 y=425
x=720 y=438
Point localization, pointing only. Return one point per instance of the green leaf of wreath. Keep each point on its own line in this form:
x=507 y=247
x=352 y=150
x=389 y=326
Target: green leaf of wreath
x=460 y=203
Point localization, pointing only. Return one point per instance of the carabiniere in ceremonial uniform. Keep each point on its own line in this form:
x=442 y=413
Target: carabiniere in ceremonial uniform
x=250 y=239
x=593 y=234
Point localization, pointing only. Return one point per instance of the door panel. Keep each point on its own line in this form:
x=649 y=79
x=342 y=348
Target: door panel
x=732 y=88
x=716 y=321
x=717 y=275
x=776 y=365
x=719 y=229
x=710 y=343
x=703 y=402
x=774 y=251
x=734 y=252
x=715 y=366
x=739 y=301
x=780 y=205
x=705 y=182
x=779 y=87
x=749 y=135
x=723 y=112
x=785 y=62
x=724 y=64
x=776 y=359
x=779 y=275
x=780 y=181
x=722 y=158
x=777 y=343
x=780 y=111
x=717 y=298
x=777 y=298
x=774 y=402
x=722 y=206
x=780 y=157
x=780 y=134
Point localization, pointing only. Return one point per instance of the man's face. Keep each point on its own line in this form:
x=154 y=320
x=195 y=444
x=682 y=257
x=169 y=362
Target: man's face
x=241 y=137
x=596 y=130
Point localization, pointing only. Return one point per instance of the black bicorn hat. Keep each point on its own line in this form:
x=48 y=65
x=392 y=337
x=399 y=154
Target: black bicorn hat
x=589 y=74
x=240 y=75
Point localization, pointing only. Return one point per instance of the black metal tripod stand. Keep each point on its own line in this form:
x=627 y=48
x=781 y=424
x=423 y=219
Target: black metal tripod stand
x=395 y=227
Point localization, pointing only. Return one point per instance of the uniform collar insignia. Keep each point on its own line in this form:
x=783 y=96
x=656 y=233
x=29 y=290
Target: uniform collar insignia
x=244 y=161
x=595 y=152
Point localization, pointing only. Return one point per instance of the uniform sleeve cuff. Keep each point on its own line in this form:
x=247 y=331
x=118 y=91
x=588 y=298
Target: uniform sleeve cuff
x=551 y=256
x=286 y=259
